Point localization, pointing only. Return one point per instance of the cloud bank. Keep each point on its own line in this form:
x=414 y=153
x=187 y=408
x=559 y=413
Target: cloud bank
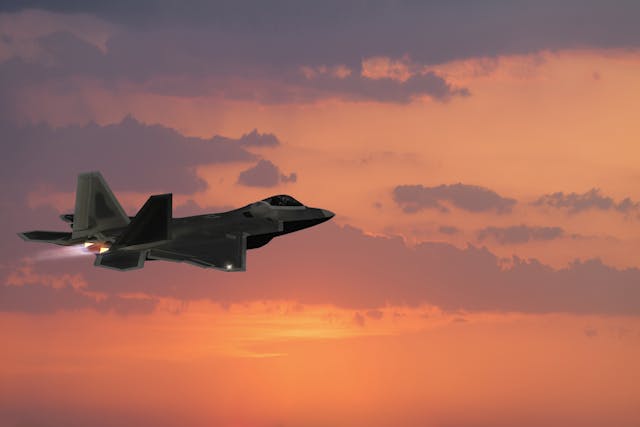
x=126 y=153
x=361 y=272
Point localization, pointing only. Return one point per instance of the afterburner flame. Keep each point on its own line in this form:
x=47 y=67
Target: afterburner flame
x=97 y=247
x=61 y=253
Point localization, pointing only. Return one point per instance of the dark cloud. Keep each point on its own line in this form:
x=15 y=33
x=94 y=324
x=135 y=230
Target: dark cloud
x=358 y=88
x=519 y=234
x=360 y=272
x=471 y=198
x=131 y=155
x=264 y=174
x=592 y=199
x=448 y=229
x=194 y=70
x=61 y=57
x=334 y=31
x=64 y=53
x=199 y=47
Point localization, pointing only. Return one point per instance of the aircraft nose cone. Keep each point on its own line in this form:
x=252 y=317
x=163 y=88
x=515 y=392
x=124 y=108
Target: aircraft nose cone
x=327 y=214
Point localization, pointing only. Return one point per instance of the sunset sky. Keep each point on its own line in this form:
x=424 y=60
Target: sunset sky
x=483 y=162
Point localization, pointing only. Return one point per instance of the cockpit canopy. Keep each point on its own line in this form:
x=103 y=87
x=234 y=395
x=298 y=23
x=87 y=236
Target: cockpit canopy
x=282 y=200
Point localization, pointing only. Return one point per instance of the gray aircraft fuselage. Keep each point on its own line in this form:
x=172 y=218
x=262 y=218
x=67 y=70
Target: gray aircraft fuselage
x=260 y=221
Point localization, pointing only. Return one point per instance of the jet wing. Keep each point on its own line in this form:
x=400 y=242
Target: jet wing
x=228 y=252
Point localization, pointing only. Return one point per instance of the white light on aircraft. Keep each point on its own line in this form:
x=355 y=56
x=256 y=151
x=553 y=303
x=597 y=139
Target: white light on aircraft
x=87 y=244
x=103 y=250
x=229 y=266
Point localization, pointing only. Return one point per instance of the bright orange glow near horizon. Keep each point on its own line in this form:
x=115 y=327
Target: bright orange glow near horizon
x=263 y=361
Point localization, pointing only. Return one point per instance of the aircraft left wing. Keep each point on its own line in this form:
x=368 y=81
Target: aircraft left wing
x=227 y=252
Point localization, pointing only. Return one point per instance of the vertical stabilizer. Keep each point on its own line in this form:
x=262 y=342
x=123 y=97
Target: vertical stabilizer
x=96 y=208
x=150 y=226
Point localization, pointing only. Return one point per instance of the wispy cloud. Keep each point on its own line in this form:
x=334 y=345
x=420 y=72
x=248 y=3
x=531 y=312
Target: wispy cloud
x=470 y=198
x=589 y=200
x=518 y=234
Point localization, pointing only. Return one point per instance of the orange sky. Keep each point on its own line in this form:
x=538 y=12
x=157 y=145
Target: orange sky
x=336 y=340
x=264 y=364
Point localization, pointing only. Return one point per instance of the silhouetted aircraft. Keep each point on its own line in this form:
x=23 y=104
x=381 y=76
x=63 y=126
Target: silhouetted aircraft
x=217 y=240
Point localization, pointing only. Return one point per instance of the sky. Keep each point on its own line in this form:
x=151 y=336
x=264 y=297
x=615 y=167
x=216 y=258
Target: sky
x=481 y=159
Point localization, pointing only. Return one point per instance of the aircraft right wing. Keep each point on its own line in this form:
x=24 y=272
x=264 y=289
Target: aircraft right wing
x=227 y=252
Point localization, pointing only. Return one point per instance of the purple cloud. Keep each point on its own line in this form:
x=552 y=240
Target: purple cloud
x=251 y=139
x=471 y=198
x=264 y=174
x=204 y=47
x=590 y=200
x=142 y=60
x=252 y=32
x=131 y=155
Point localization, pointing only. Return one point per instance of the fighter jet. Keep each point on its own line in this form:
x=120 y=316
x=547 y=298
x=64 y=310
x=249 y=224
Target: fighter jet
x=216 y=240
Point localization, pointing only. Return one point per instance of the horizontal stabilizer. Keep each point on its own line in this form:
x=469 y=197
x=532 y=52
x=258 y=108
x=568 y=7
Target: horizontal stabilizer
x=57 y=237
x=151 y=224
x=121 y=260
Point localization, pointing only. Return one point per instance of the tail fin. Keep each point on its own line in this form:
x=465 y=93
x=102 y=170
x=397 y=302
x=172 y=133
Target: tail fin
x=96 y=208
x=150 y=226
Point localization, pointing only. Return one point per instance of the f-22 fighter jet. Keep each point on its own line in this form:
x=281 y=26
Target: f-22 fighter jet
x=218 y=240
